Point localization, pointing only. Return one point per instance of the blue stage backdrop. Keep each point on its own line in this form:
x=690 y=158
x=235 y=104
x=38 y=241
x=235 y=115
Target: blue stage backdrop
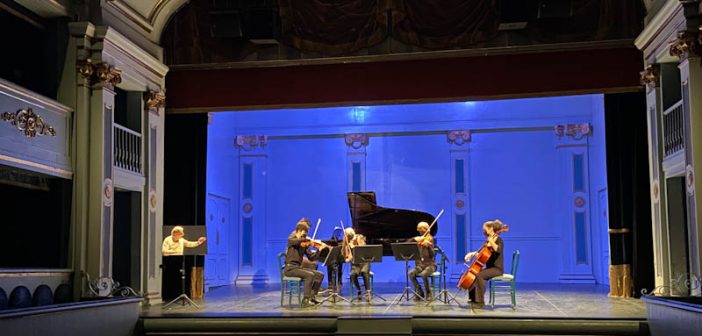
x=536 y=164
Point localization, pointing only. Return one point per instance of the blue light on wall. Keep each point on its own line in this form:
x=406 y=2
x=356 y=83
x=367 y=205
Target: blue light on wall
x=246 y=241
x=460 y=177
x=247 y=190
x=578 y=173
x=580 y=238
x=460 y=237
x=356 y=171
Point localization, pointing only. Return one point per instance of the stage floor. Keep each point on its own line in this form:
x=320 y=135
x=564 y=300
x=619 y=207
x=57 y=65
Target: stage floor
x=566 y=301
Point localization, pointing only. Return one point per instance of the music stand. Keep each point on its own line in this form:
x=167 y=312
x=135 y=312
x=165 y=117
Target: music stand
x=406 y=252
x=182 y=295
x=332 y=260
x=448 y=297
x=368 y=254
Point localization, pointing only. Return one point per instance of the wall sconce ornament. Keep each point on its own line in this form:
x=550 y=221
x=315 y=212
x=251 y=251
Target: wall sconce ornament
x=575 y=131
x=250 y=142
x=101 y=72
x=28 y=122
x=356 y=140
x=687 y=42
x=154 y=99
x=649 y=77
x=458 y=137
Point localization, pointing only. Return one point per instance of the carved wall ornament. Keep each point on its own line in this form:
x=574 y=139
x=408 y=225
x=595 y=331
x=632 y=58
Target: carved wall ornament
x=655 y=191
x=247 y=208
x=153 y=200
x=579 y=202
x=460 y=204
x=575 y=131
x=690 y=180
x=154 y=99
x=649 y=77
x=107 y=192
x=458 y=137
x=28 y=122
x=101 y=72
x=687 y=42
x=356 y=140
x=250 y=142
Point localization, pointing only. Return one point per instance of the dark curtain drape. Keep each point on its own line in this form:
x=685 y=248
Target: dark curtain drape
x=444 y=24
x=591 y=20
x=333 y=27
x=628 y=184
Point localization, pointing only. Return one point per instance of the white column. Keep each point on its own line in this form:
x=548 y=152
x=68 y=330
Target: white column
x=457 y=221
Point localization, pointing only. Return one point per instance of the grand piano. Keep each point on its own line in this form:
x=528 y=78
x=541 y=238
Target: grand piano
x=384 y=225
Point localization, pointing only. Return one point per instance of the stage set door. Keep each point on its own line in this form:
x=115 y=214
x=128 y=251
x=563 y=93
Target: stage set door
x=218 y=228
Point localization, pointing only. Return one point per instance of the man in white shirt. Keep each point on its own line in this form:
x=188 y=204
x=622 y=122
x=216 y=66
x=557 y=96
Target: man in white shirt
x=174 y=244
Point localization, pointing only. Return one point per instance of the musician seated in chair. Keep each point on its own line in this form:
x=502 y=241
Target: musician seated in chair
x=494 y=266
x=299 y=245
x=351 y=240
x=425 y=265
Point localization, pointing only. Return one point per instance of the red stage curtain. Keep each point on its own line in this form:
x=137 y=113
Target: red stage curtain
x=444 y=24
x=333 y=27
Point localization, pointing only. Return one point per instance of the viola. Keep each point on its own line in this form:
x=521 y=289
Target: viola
x=481 y=258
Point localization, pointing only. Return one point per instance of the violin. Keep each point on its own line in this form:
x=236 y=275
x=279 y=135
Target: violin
x=481 y=258
x=313 y=242
x=425 y=240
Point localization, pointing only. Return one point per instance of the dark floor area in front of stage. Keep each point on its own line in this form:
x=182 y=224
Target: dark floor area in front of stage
x=556 y=300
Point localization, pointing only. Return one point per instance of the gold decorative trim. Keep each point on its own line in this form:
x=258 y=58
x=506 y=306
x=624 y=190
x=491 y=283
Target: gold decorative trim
x=687 y=42
x=250 y=142
x=154 y=99
x=458 y=137
x=619 y=231
x=57 y=171
x=101 y=72
x=649 y=76
x=28 y=122
x=575 y=131
x=356 y=140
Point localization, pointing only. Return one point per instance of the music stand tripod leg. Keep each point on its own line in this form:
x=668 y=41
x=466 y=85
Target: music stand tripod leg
x=182 y=295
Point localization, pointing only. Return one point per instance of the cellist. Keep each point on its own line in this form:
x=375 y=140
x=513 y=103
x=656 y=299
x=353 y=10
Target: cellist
x=425 y=265
x=493 y=267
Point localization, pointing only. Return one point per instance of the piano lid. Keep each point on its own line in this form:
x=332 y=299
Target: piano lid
x=384 y=225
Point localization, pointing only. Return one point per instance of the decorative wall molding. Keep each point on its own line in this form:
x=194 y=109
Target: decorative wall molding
x=107 y=192
x=356 y=140
x=690 y=180
x=153 y=200
x=649 y=76
x=28 y=122
x=99 y=73
x=154 y=100
x=575 y=131
x=687 y=42
x=250 y=142
x=655 y=191
x=458 y=137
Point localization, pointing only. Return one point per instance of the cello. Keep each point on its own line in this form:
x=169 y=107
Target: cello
x=479 y=260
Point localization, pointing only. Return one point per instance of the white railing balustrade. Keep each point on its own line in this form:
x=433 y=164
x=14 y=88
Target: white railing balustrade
x=127 y=149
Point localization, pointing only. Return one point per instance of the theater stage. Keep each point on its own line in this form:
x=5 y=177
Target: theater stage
x=561 y=309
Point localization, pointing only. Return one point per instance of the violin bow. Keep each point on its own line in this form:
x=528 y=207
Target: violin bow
x=319 y=220
x=434 y=222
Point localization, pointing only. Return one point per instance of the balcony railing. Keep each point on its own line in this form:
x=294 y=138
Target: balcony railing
x=127 y=149
x=673 y=129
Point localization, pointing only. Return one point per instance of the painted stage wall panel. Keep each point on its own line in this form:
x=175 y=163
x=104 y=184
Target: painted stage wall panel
x=512 y=163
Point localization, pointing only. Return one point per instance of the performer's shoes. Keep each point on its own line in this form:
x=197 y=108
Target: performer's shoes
x=307 y=303
x=417 y=297
x=359 y=296
x=477 y=305
x=429 y=295
x=314 y=301
x=368 y=296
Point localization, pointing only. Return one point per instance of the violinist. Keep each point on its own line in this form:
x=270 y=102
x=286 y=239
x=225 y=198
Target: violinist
x=425 y=265
x=298 y=247
x=351 y=240
x=494 y=266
